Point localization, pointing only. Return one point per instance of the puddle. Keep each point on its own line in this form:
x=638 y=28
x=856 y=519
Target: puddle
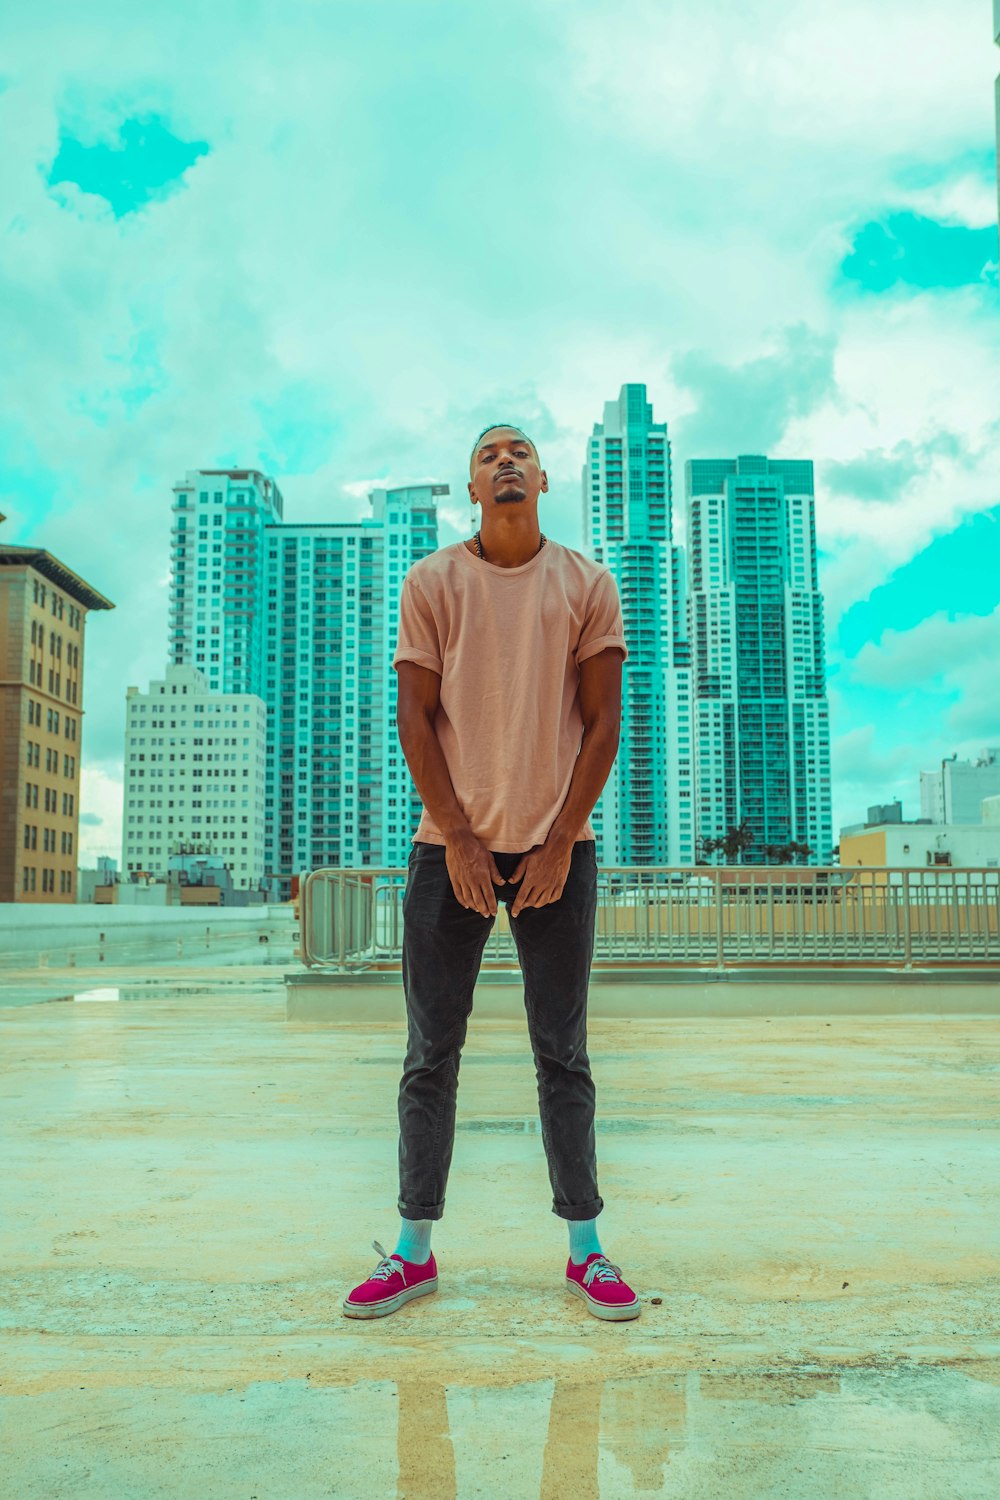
x=906 y=1430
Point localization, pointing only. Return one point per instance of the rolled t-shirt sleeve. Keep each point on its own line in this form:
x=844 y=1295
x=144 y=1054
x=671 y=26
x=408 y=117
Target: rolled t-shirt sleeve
x=418 y=638
x=603 y=625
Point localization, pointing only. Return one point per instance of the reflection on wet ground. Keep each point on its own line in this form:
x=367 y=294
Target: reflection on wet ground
x=753 y=1434
x=747 y=1434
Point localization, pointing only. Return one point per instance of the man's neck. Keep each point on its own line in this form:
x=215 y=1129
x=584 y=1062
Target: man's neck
x=510 y=551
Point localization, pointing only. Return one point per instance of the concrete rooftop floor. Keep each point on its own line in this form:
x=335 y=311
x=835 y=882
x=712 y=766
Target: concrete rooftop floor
x=807 y=1207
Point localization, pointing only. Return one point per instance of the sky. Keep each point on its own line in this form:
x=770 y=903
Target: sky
x=333 y=241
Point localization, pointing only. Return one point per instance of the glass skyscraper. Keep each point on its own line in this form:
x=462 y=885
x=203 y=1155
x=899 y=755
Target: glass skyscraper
x=645 y=814
x=305 y=616
x=762 y=740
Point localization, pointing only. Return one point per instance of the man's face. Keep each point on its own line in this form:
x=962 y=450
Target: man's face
x=505 y=471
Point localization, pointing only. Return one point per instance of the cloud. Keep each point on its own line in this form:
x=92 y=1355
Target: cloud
x=959 y=191
x=939 y=649
x=880 y=475
x=852 y=88
x=860 y=758
x=747 y=408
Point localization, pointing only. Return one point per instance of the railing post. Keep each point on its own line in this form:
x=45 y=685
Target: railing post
x=907 y=937
x=719 y=961
x=341 y=924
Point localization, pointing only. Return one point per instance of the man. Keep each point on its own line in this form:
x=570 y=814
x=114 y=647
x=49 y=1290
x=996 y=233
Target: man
x=509 y=666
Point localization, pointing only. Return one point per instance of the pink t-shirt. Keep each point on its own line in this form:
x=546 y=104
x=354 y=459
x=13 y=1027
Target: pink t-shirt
x=507 y=643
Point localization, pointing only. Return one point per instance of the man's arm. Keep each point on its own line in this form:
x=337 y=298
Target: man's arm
x=419 y=693
x=544 y=870
x=471 y=867
x=601 y=709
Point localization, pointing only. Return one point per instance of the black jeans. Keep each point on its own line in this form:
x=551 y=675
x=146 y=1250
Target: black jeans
x=443 y=944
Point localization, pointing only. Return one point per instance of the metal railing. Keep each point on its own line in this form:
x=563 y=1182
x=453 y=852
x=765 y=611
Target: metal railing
x=716 y=917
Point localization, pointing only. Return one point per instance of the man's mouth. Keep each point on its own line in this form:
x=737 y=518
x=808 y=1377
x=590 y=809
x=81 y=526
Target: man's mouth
x=507 y=474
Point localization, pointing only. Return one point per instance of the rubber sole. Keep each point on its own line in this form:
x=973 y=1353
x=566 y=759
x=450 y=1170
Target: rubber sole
x=388 y=1304
x=619 y=1314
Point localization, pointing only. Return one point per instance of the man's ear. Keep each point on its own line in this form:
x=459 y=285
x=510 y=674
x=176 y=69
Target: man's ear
x=545 y=481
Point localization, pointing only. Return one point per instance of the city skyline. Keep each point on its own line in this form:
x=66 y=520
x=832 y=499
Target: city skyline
x=795 y=259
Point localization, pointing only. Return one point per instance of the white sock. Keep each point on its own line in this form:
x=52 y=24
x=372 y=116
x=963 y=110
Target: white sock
x=583 y=1239
x=414 y=1241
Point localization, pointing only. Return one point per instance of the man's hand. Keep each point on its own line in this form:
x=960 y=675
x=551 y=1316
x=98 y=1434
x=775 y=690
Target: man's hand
x=473 y=872
x=545 y=869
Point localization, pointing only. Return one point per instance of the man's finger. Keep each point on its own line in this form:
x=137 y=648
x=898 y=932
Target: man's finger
x=524 y=898
x=518 y=871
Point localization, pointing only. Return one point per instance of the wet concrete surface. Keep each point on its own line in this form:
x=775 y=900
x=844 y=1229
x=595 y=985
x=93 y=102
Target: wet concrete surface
x=807 y=1208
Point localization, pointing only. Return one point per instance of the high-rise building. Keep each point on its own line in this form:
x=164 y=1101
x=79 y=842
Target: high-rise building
x=43 y=612
x=194 y=777
x=762 y=741
x=217 y=570
x=954 y=794
x=339 y=792
x=645 y=814
x=305 y=616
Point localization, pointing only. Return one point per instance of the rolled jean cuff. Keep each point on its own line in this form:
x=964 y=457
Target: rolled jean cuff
x=420 y=1210
x=578 y=1210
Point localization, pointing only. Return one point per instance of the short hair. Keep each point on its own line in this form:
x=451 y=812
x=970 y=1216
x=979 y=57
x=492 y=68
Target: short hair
x=493 y=425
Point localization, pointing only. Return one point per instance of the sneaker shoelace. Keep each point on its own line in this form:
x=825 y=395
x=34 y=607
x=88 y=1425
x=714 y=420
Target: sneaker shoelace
x=601 y=1269
x=387 y=1266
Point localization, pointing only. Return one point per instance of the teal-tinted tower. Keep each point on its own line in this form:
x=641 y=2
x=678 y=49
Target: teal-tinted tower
x=762 y=734
x=645 y=814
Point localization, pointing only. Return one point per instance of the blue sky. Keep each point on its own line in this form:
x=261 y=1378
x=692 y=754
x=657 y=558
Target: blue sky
x=334 y=241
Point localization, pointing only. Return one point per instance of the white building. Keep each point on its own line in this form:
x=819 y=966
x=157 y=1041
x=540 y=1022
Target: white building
x=217 y=565
x=761 y=719
x=305 y=616
x=194 y=777
x=954 y=794
x=645 y=813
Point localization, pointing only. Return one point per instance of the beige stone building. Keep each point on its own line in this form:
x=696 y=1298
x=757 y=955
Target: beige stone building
x=43 y=610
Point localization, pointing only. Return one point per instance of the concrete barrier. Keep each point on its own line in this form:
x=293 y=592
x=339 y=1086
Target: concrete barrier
x=54 y=936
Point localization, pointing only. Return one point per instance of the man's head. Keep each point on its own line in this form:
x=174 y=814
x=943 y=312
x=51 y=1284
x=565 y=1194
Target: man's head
x=504 y=469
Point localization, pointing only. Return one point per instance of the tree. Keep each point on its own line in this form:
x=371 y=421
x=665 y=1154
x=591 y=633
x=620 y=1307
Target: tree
x=731 y=844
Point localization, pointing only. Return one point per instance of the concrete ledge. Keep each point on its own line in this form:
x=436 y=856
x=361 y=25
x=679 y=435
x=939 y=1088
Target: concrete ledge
x=338 y=1000
x=59 y=936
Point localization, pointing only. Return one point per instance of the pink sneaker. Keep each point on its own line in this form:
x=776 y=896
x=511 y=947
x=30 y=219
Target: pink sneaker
x=600 y=1285
x=393 y=1282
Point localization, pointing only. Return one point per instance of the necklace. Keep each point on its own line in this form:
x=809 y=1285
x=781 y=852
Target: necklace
x=479 y=545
